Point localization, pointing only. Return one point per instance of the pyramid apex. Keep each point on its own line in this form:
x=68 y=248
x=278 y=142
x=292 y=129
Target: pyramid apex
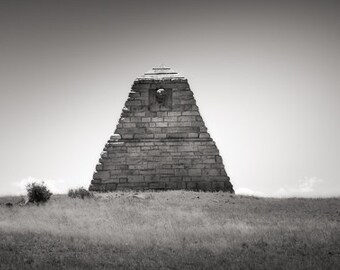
x=161 y=72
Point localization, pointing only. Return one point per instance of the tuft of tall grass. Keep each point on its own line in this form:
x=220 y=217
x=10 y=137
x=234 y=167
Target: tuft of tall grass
x=81 y=193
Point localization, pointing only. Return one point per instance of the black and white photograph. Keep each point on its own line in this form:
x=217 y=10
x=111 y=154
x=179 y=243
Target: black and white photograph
x=167 y=134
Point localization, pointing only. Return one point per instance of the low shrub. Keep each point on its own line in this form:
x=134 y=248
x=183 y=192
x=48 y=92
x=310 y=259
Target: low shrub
x=38 y=192
x=79 y=193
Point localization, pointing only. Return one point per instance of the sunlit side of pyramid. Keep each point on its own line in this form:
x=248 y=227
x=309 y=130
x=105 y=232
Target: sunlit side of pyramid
x=161 y=141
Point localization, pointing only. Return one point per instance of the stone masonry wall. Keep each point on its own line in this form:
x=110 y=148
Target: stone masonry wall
x=160 y=142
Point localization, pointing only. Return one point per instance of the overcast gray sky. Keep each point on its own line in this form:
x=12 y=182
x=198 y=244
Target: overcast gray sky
x=265 y=75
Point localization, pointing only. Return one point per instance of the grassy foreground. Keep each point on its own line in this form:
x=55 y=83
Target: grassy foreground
x=171 y=230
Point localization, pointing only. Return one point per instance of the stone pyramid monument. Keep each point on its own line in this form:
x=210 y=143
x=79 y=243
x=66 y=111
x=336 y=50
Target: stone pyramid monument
x=161 y=141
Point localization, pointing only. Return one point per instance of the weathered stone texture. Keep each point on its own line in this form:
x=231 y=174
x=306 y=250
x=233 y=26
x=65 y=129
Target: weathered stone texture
x=161 y=141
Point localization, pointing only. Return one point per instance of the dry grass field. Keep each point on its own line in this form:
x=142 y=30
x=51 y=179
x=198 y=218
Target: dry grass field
x=171 y=230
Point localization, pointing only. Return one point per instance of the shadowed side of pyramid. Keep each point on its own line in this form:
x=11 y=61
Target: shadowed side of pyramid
x=161 y=141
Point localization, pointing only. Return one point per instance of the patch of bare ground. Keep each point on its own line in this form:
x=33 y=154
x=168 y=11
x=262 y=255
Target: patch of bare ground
x=170 y=230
